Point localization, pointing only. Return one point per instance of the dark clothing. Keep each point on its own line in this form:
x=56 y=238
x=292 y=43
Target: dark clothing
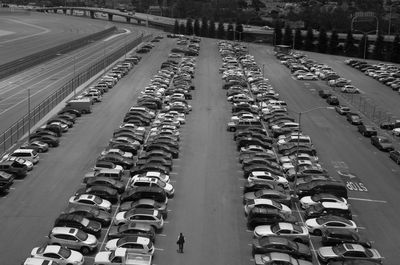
x=180 y=242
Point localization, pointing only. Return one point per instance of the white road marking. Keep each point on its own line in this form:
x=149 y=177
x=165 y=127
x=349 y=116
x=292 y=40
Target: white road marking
x=159 y=249
x=161 y=235
x=116 y=35
x=366 y=200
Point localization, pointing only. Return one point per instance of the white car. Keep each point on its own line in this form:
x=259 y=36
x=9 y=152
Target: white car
x=396 y=132
x=266 y=204
x=59 y=254
x=146 y=181
x=138 y=244
x=264 y=176
x=27 y=154
x=307 y=76
x=91 y=200
x=291 y=231
x=307 y=201
x=350 y=89
x=317 y=225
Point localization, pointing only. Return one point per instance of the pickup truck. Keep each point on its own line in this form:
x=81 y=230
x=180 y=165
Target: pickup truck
x=122 y=256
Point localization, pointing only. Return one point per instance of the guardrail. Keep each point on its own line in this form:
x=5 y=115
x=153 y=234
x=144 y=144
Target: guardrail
x=21 y=64
x=13 y=134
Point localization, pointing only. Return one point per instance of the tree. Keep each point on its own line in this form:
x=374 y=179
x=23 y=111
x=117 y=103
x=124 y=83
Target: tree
x=242 y=4
x=277 y=33
x=395 y=50
x=378 y=52
x=288 y=37
x=221 y=30
x=298 y=40
x=322 y=41
x=333 y=43
x=349 y=47
x=239 y=31
x=309 y=42
x=189 y=27
x=230 y=33
x=204 y=27
x=176 y=27
x=182 y=28
x=363 y=47
x=211 y=29
x=196 y=27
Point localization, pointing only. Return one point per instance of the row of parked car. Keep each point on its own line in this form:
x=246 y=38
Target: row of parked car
x=387 y=74
x=131 y=175
x=323 y=71
x=17 y=163
x=280 y=165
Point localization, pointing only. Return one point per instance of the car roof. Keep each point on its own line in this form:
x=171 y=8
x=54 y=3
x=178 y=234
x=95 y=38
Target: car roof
x=64 y=230
x=336 y=205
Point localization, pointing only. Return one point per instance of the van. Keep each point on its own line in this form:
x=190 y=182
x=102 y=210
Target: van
x=113 y=173
x=322 y=186
x=84 y=105
x=37 y=261
x=28 y=154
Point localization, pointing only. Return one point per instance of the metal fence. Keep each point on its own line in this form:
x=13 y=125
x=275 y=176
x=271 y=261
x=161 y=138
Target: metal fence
x=367 y=107
x=11 y=135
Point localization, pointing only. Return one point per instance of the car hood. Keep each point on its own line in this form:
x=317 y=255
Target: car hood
x=120 y=216
x=102 y=257
x=312 y=222
x=326 y=252
x=262 y=230
x=112 y=244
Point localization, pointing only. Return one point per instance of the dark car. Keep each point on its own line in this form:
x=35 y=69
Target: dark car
x=42 y=132
x=256 y=186
x=61 y=120
x=125 y=147
x=367 y=130
x=382 y=143
x=52 y=141
x=56 y=128
x=103 y=192
x=324 y=93
x=275 y=195
x=90 y=213
x=354 y=118
x=395 y=156
x=13 y=167
x=155 y=193
x=332 y=237
x=6 y=180
x=38 y=146
x=332 y=100
x=124 y=162
x=328 y=208
x=80 y=222
x=261 y=167
x=262 y=216
x=145 y=204
x=246 y=141
x=107 y=182
x=159 y=146
x=322 y=186
x=155 y=153
x=157 y=160
x=75 y=112
x=354 y=262
x=265 y=245
x=149 y=167
x=389 y=125
x=132 y=229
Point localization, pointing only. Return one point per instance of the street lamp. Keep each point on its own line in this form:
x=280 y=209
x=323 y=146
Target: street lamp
x=263 y=65
x=29 y=113
x=390 y=15
x=296 y=168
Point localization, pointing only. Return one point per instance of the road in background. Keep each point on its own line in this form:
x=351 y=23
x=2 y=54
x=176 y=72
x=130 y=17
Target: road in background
x=374 y=181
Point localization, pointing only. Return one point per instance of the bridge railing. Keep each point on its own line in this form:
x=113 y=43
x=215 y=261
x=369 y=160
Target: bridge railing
x=13 y=134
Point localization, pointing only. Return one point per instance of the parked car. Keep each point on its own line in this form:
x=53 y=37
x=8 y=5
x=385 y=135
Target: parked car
x=317 y=225
x=395 y=156
x=131 y=229
x=60 y=255
x=138 y=244
x=297 y=233
x=90 y=213
x=73 y=238
x=328 y=208
x=19 y=170
x=333 y=100
x=367 y=130
x=38 y=146
x=347 y=251
x=307 y=201
x=278 y=258
x=335 y=236
x=382 y=143
x=354 y=118
x=342 y=110
x=143 y=216
x=280 y=244
x=91 y=200
x=77 y=221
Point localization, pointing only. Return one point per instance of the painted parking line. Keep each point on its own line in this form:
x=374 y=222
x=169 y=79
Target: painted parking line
x=159 y=249
x=161 y=235
x=249 y=231
x=366 y=200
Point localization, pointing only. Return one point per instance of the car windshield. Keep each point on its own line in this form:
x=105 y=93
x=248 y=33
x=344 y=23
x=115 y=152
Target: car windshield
x=275 y=228
x=97 y=200
x=317 y=208
x=276 y=205
x=64 y=252
x=81 y=235
x=316 y=197
x=339 y=250
x=85 y=221
x=161 y=184
x=384 y=140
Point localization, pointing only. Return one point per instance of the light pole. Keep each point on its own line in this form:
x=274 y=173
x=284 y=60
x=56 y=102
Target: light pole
x=366 y=38
x=29 y=114
x=263 y=65
x=296 y=168
x=74 y=78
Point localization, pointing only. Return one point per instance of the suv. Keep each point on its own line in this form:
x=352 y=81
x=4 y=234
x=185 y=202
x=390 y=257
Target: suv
x=332 y=100
x=80 y=222
x=324 y=93
x=243 y=124
x=15 y=168
x=73 y=238
x=28 y=154
x=151 y=182
x=143 y=216
x=132 y=229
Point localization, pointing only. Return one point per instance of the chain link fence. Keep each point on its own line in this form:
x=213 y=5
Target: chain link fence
x=11 y=135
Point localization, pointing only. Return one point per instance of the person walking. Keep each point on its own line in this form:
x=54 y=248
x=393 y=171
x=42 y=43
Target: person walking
x=180 y=242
